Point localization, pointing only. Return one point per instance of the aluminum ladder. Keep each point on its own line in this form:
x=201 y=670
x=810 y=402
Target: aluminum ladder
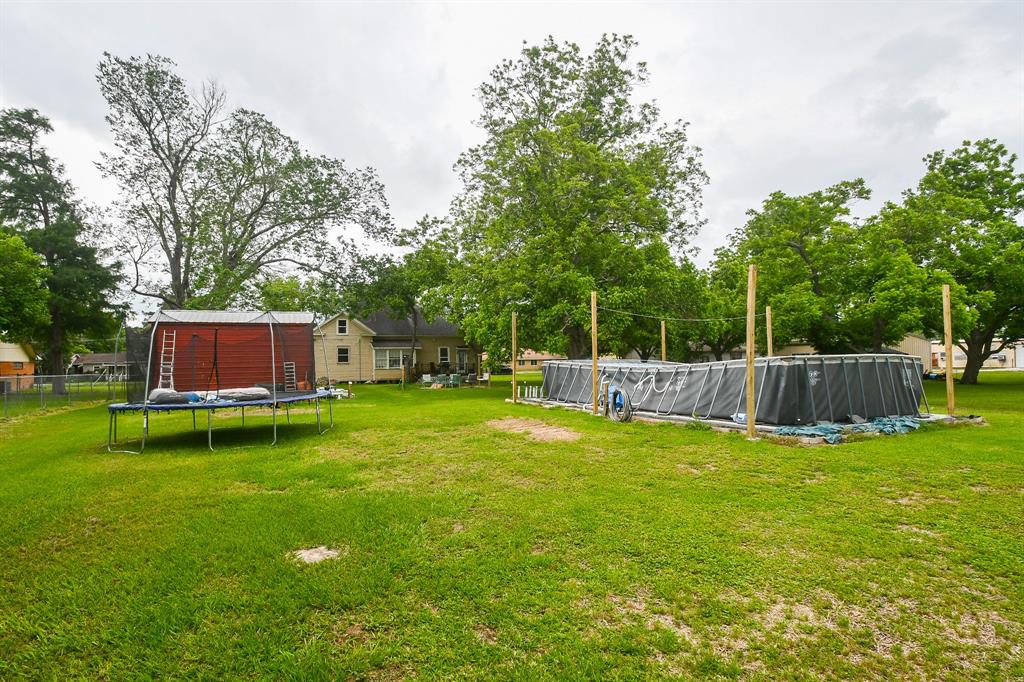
x=289 y=377
x=167 y=359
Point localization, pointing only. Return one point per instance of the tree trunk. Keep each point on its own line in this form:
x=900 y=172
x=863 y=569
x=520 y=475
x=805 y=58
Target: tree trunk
x=579 y=343
x=55 y=354
x=976 y=357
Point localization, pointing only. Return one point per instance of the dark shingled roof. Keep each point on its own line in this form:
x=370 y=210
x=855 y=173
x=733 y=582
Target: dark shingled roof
x=384 y=324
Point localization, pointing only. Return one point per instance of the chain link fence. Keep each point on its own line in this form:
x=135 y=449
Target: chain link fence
x=33 y=393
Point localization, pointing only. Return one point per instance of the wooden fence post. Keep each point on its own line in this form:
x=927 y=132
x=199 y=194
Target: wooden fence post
x=515 y=357
x=768 y=328
x=593 y=343
x=751 y=318
x=664 y=354
x=947 y=326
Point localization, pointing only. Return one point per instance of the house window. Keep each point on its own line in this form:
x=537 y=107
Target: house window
x=522 y=363
x=444 y=355
x=387 y=358
x=343 y=355
x=533 y=363
x=342 y=327
x=18 y=365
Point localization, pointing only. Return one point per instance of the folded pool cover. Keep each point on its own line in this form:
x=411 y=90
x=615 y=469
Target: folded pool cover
x=788 y=390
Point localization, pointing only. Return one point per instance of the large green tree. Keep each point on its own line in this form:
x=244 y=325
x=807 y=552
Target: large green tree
x=39 y=205
x=577 y=187
x=965 y=218
x=409 y=285
x=23 y=294
x=838 y=284
x=213 y=200
x=723 y=305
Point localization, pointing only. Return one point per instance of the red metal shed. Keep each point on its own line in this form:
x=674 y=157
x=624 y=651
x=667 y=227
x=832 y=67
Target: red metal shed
x=203 y=350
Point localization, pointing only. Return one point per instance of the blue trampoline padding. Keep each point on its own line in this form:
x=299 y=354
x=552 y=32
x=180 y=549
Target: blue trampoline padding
x=266 y=402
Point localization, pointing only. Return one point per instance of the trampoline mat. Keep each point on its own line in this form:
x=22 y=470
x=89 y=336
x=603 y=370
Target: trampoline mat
x=292 y=397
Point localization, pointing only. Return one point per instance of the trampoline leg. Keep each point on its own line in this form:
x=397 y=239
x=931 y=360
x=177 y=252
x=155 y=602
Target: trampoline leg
x=287 y=413
x=273 y=409
x=110 y=430
x=316 y=404
x=193 y=420
x=145 y=429
x=243 y=416
x=115 y=427
x=209 y=429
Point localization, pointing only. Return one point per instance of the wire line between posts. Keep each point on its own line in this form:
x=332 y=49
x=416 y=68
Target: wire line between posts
x=678 y=319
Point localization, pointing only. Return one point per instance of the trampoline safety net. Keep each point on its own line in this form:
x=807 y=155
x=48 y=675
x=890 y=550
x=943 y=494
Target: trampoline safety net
x=788 y=390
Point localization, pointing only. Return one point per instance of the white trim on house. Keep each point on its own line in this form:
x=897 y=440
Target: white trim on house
x=337 y=326
x=448 y=352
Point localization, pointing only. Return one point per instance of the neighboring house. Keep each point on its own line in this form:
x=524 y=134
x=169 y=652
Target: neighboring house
x=17 y=361
x=97 y=363
x=375 y=348
x=534 y=359
x=1011 y=357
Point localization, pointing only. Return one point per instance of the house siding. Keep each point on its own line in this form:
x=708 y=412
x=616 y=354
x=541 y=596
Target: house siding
x=360 y=342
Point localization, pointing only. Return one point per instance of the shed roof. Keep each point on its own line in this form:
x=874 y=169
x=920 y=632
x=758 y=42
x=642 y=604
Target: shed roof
x=233 y=316
x=13 y=352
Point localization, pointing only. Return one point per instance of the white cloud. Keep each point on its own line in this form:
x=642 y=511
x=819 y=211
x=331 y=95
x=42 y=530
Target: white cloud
x=786 y=96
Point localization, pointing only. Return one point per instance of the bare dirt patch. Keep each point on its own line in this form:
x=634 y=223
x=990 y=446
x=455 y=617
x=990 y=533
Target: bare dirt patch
x=315 y=555
x=696 y=470
x=534 y=428
x=486 y=634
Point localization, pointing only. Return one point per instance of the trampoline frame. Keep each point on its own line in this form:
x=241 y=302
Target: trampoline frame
x=209 y=408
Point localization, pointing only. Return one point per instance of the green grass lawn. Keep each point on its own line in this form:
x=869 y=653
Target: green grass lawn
x=636 y=551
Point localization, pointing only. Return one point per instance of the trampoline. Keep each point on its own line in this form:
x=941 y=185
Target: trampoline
x=209 y=407
x=208 y=360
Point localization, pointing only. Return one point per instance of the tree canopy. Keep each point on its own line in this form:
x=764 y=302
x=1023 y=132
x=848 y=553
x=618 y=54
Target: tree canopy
x=577 y=187
x=38 y=204
x=23 y=295
x=211 y=202
x=964 y=218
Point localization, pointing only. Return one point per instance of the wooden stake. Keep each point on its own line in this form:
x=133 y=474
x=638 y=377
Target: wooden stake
x=768 y=327
x=515 y=357
x=664 y=353
x=751 y=318
x=593 y=343
x=947 y=325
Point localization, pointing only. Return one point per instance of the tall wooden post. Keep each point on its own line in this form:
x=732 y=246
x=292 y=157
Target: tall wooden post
x=593 y=343
x=947 y=325
x=768 y=329
x=515 y=357
x=664 y=352
x=751 y=318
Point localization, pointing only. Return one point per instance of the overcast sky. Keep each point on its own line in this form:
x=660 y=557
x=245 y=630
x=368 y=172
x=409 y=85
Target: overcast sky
x=781 y=96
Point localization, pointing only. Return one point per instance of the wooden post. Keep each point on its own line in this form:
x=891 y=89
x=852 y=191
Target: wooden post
x=515 y=357
x=768 y=328
x=751 y=319
x=664 y=353
x=593 y=343
x=947 y=325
